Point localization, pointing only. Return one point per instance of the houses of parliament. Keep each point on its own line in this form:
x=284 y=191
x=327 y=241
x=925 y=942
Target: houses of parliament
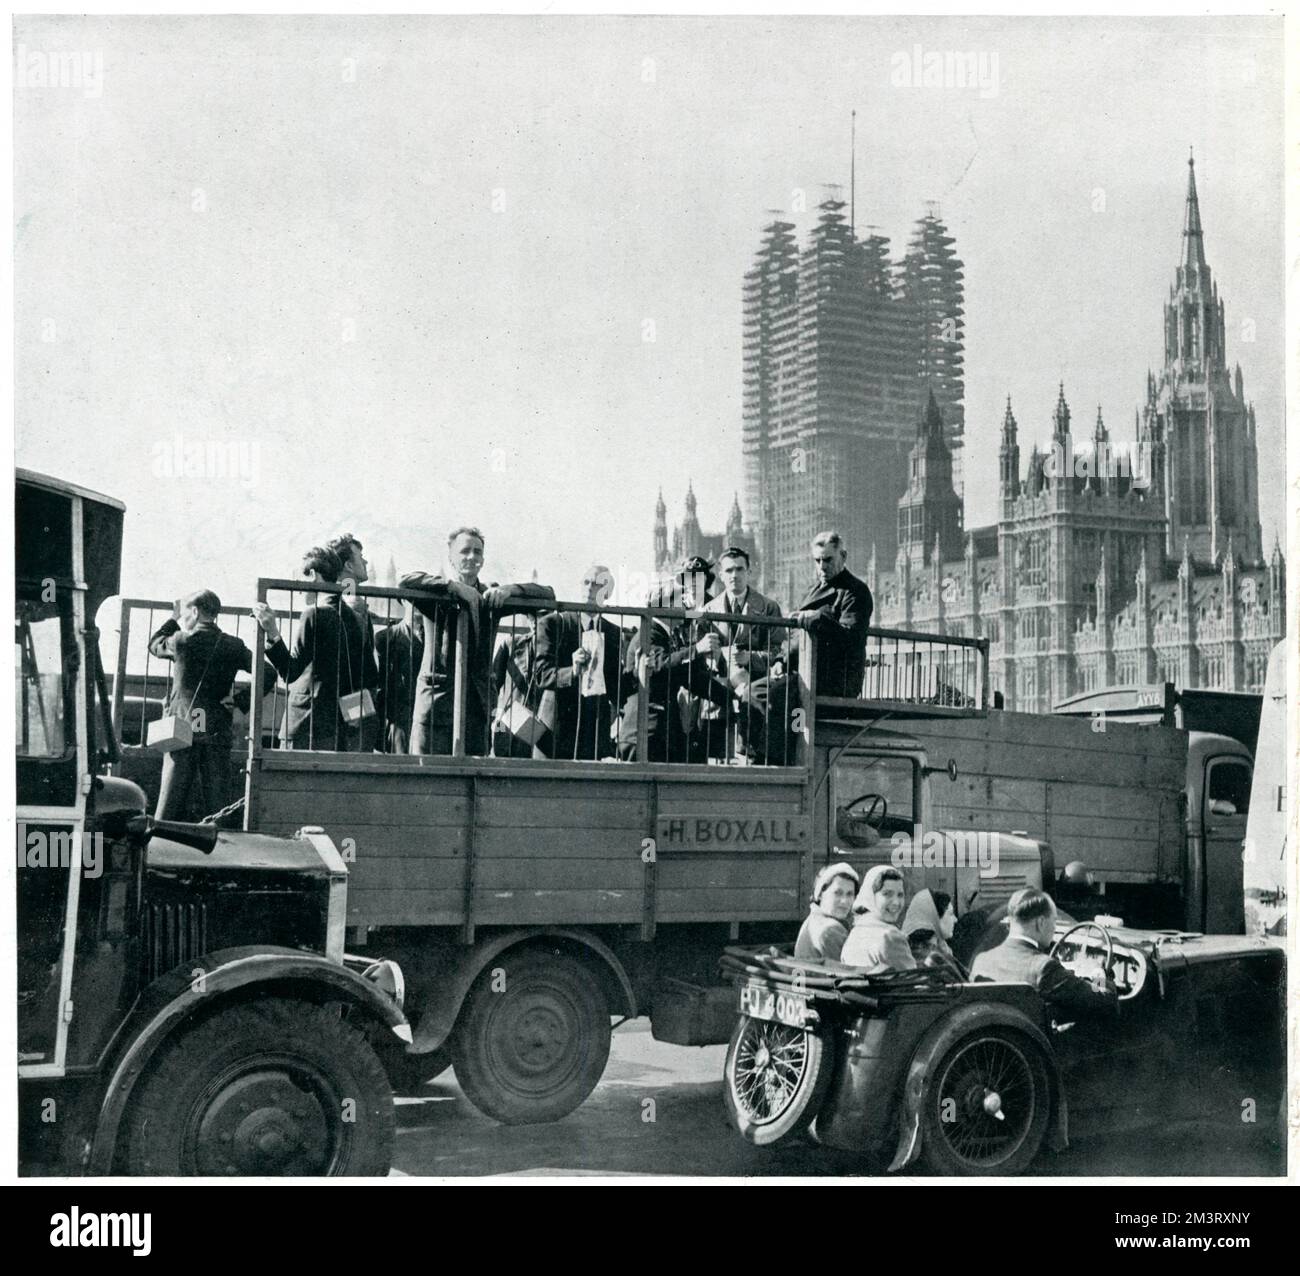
x=1110 y=564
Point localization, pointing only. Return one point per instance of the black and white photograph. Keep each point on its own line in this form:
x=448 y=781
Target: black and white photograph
x=694 y=599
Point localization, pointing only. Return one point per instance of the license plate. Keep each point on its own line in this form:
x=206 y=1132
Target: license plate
x=789 y=1008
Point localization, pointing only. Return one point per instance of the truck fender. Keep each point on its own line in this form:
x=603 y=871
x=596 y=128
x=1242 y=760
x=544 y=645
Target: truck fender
x=446 y=995
x=932 y=1048
x=215 y=978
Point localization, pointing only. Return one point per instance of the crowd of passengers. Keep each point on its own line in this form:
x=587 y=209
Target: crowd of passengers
x=869 y=924
x=718 y=688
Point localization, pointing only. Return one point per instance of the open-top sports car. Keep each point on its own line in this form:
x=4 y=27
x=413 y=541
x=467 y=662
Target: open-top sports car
x=919 y=1068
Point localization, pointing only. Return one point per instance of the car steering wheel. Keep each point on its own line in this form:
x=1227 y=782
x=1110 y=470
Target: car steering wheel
x=1105 y=939
x=876 y=800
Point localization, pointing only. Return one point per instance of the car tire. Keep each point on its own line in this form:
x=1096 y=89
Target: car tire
x=271 y=1087
x=959 y=1133
x=532 y=1039
x=774 y=1080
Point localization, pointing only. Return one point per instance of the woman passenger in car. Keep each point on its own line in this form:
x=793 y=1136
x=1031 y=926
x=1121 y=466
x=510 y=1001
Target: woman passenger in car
x=932 y=911
x=875 y=942
x=827 y=925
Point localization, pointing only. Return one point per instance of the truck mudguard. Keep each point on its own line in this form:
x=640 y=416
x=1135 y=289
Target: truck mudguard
x=208 y=981
x=445 y=998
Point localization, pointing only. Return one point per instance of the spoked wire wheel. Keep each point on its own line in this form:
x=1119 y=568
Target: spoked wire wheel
x=986 y=1109
x=775 y=1080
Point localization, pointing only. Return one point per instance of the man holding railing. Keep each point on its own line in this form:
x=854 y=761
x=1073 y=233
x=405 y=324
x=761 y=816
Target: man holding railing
x=836 y=610
x=484 y=605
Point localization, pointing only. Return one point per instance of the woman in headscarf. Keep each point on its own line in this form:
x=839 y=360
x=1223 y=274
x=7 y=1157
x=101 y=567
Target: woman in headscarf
x=875 y=942
x=932 y=910
x=931 y=916
x=826 y=927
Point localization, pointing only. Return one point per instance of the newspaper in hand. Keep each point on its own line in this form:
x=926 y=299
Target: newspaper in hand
x=592 y=682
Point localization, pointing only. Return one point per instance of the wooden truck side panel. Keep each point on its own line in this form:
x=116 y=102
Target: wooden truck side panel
x=1111 y=798
x=497 y=842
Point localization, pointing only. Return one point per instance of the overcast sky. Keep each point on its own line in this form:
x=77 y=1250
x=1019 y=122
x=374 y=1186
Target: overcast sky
x=415 y=272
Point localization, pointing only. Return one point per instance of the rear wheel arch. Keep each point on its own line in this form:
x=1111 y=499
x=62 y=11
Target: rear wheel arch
x=442 y=1005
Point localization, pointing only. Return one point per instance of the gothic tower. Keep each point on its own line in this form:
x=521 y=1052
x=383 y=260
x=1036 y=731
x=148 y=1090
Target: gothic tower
x=930 y=511
x=1198 y=417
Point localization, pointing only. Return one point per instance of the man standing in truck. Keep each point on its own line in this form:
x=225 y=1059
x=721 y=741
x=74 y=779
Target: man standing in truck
x=836 y=610
x=578 y=657
x=431 y=726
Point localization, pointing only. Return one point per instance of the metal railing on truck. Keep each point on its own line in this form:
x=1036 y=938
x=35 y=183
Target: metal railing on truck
x=904 y=671
x=688 y=701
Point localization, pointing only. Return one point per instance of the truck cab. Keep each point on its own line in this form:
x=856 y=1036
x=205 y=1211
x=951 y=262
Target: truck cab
x=185 y=1005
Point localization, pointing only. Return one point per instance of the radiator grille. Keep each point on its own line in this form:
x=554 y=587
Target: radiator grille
x=172 y=934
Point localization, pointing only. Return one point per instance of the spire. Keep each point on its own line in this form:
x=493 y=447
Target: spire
x=1193 y=240
x=661 y=510
x=1009 y=454
x=931 y=427
x=735 y=521
x=1099 y=434
x=1061 y=416
x=690 y=500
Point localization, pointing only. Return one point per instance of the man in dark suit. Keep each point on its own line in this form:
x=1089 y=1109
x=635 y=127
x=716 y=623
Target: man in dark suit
x=1023 y=958
x=399 y=653
x=837 y=612
x=196 y=781
x=585 y=673
x=675 y=669
x=431 y=726
x=741 y=653
x=748 y=648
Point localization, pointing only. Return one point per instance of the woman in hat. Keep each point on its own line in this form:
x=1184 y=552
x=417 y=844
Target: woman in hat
x=827 y=925
x=875 y=942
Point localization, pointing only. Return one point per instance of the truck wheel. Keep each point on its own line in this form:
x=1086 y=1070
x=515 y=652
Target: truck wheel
x=270 y=1087
x=983 y=1076
x=774 y=1080
x=410 y=1073
x=532 y=1039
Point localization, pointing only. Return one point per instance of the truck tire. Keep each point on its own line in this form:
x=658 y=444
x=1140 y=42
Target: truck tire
x=959 y=1135
x=532 y=1039
x=774 y=1080
x=268 y=1087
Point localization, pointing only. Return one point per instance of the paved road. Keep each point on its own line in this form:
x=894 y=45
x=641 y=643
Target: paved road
x=659 y=1111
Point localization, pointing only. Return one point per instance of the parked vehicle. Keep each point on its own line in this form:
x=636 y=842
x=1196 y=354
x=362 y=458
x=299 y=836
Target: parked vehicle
x=1155 y=811
x=916 y=1069
x=185 y=1006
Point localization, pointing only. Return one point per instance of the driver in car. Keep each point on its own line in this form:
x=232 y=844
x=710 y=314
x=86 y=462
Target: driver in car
x=1023 y=958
